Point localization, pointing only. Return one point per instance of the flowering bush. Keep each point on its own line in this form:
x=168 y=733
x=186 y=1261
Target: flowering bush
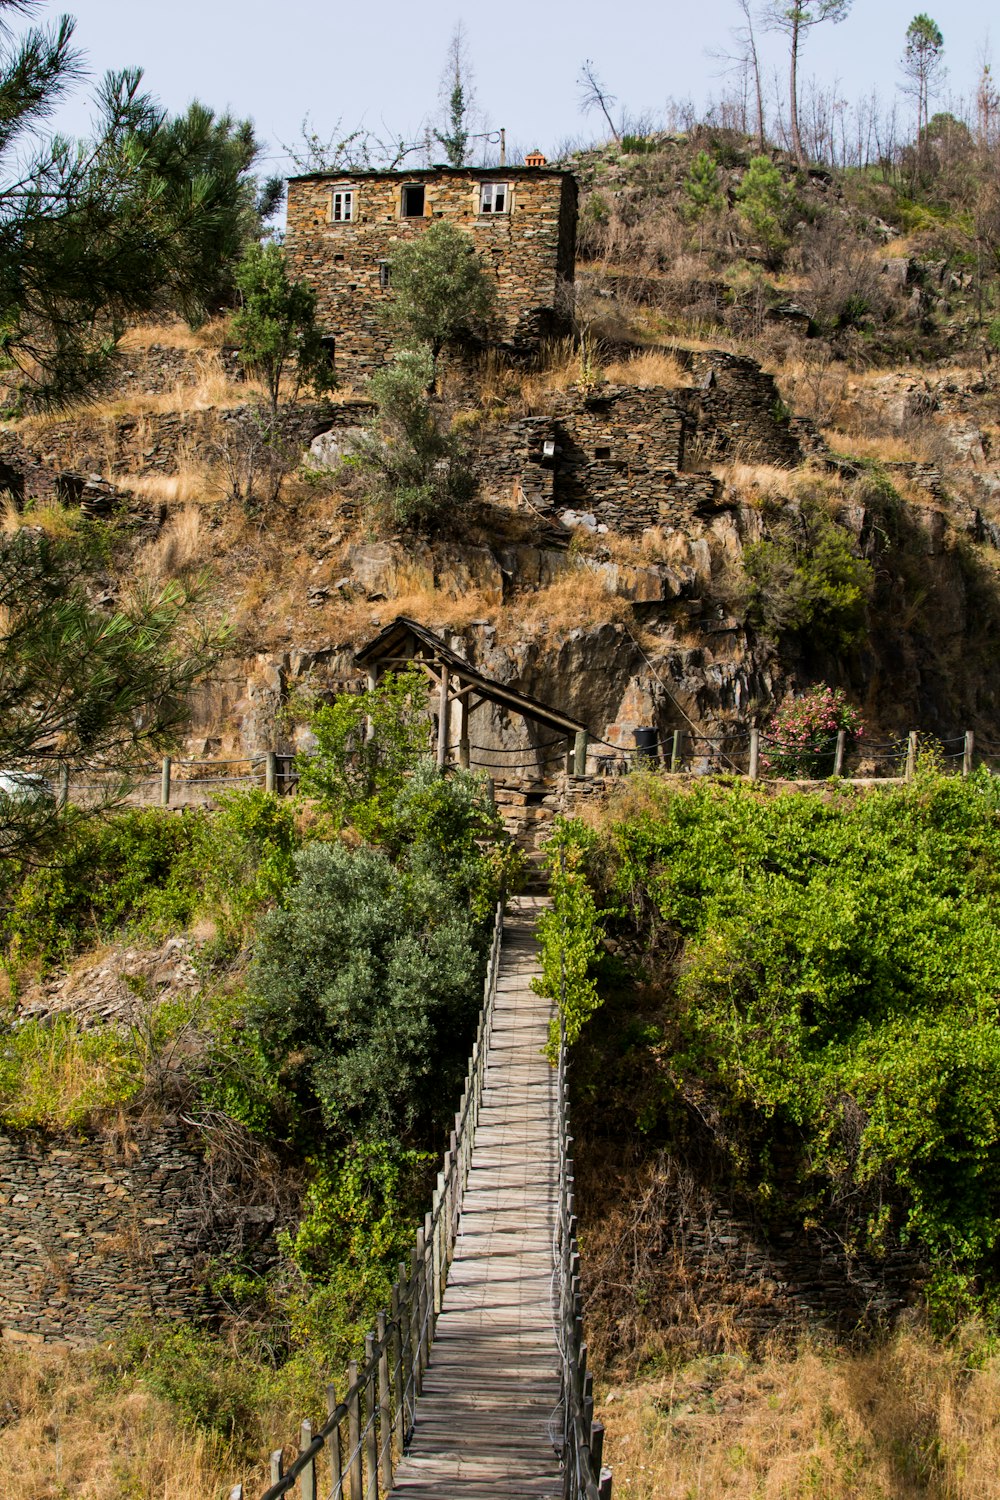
x=801 y=739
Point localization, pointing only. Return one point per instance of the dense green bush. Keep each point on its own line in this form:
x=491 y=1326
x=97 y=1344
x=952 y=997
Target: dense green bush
x=805 y=581
x=834 y=1018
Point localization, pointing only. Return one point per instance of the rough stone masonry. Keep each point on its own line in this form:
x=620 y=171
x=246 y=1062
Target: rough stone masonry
x=342 y=230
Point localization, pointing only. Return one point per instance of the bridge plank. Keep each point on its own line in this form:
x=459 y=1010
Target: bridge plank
x=489 y=1412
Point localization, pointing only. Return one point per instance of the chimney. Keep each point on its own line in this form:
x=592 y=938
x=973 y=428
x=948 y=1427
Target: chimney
x=534 y=159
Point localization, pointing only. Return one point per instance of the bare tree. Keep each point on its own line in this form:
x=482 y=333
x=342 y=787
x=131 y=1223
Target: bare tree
x=746 y=62
x=357 y=150
x=458 y=100
x=593 y=95
x=796 y=21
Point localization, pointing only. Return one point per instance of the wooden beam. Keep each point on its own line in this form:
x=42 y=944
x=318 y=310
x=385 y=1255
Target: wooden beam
x=444 y=710
x=464 y=755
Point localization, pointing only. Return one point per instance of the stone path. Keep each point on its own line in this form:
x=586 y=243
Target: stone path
x=490 y=1401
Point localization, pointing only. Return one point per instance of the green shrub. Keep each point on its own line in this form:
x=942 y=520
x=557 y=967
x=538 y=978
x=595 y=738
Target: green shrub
x=569 y=934
x=366 y=986
x=805 y=581
x=56 y=1076
x=835 y=1019
x=767 y=206
x=703 y=187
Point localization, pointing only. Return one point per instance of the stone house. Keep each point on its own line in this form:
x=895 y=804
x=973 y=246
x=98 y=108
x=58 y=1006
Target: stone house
x=342 y=230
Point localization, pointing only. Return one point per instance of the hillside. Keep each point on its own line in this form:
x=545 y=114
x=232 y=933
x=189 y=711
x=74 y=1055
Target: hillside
x=768 y=457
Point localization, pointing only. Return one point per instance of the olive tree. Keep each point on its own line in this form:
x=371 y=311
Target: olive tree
x=441 y=291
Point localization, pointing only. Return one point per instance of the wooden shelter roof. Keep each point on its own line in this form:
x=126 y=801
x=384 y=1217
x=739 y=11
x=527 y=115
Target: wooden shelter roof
x=406 y=641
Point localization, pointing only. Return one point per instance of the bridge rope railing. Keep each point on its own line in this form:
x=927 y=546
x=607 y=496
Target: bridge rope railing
x=585 y=1476
x=368 y=1429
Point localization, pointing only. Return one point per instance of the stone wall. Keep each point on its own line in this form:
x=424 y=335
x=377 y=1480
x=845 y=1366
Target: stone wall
x=530 y=249
x=93 y=1236
x=735 y=413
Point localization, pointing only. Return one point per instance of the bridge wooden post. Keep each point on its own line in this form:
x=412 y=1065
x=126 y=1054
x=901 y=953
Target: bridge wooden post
x=675 y=751
x=580 y=744
x=370 y=1428
x=427 y=1293
x=355 y=1477
x=307 y=1482
x=385 y=1426
x=271 y=772
x=754 y=754
x=333 y=1445
x=464 y=749
x=911 y=754
x=398 y=1364
x=277 y=1466
x=420 y=1301
x=968 y=752
x=165 y=782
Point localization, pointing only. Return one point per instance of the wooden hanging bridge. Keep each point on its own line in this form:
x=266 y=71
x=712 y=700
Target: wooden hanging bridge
x=474 y=1382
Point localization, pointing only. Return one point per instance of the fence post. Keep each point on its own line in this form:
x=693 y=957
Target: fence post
x=333 y=1446
x=271 y=772
x=675 y=751
x=419 y=1294
x=277 y=1466
x=838 y=755
x=165 y=782
x=371 y=1419
x=398 y=1365
x=63 y=794
x=384 y=1407
x=604 y=1485
x=911 y=754
x=754 y=754
x=427 y=1277
x=580 y=753
x=355 y=1476
x=308 y=1484
x=970 y=745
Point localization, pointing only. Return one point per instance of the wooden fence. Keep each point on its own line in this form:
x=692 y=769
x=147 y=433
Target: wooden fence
x=368 y=1428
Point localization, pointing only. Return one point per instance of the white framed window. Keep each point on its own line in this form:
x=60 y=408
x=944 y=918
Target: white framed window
x=494 y=198
x=343 y=202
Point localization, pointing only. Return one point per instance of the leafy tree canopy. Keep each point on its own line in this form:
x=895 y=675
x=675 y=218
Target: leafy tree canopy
x=442 y=292
x=142 y=217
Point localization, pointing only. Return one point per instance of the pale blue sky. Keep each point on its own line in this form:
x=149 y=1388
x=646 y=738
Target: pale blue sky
x=381 y=61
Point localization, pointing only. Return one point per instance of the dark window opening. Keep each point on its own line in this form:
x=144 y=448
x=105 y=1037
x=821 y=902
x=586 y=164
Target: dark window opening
x=329 y=351
x=338 y=257
x=412 y=201
x=383 y=275
x=602 y=452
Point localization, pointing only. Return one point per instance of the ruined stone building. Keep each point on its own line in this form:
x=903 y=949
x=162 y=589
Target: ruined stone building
x=342 y=230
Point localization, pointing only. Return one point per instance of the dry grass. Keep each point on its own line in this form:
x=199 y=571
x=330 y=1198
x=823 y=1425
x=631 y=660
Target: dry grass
x=64 y=1434
x=884 y=447
x=209 y=388
x=188 y=484
x=181 y=549
x=581 y=597
x=55 y=520
x=648 y=367
x=911 y=1417
x=758 y=484
x=176 y=335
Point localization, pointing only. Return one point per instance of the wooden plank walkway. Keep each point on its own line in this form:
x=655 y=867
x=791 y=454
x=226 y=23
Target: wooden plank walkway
x=490 y=1403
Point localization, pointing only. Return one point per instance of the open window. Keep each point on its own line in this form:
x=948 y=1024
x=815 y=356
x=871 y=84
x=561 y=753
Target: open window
x=343 y=202
x=411 y=201
x=494 y=198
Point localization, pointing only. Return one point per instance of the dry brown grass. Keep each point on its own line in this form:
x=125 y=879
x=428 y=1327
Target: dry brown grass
x=176 y=335
x=180 y=550
x=210 y=388
x=885 y=447
x=188 y=484
x=648 y=367
x=581 y=597
x=911 y=1417
x=55 y=520
x=63 y=1435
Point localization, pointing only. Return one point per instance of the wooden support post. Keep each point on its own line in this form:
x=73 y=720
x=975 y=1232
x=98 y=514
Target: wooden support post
x=420 y=1302
x=464 y=750
x=911 y=755
x=604 y=1485
x=307 y=1479
x=277 y=1466
x=398 y=1364
x=63 y=797
x=333 y=1448
x=271 y=772
x=754 y=754
x=438 y=1216
x=967 y=755
x=430 y=1309
x=580 y=753
x=597 y=1446
x=165 y=782
x=675 y=751
x=838 y=758
x=354 y=1470
x=444 y=708
x=371 y=1420
x=384 y=1408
